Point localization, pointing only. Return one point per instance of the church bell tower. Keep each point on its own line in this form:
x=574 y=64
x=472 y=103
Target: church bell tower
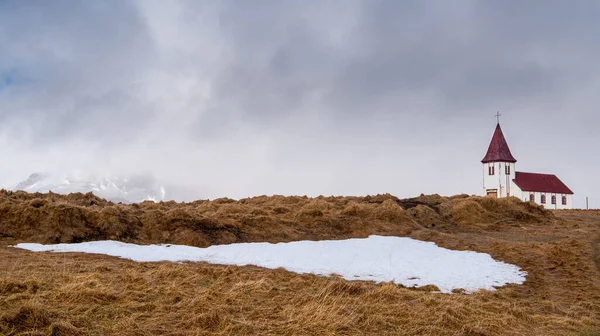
x=498 y=166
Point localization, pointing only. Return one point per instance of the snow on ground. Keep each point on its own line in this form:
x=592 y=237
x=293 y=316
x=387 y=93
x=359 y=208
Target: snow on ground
x=402 y=260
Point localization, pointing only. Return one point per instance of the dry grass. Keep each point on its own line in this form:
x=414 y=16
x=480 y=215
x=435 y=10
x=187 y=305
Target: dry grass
x=53 y=218
x=79 y=294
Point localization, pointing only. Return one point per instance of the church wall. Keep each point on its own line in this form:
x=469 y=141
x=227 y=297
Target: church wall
x=516 y=191
x=548 y=204
x=524 y=196
x=500 y=180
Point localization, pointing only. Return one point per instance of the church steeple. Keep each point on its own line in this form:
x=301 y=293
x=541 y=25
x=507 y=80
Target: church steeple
x=498 y=150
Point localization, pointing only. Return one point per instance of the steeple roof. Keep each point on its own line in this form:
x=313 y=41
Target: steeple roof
x=498 y=150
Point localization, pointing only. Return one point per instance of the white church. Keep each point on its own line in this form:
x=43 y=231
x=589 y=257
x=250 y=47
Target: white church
x=500 y=178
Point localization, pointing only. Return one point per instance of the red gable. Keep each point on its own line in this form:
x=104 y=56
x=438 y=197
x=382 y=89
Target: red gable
x=541 y=182
x=498 y=150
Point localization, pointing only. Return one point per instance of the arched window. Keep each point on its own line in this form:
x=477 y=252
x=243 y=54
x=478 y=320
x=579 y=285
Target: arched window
x=564 y=200
x=532 y=197
x=553 y=199
x=543 y=201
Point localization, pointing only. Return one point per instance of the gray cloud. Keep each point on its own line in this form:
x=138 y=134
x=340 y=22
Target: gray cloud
x=81 y=60
x=240 y=98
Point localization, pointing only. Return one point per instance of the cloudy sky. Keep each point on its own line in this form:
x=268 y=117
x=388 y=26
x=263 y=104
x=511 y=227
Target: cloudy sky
x=353 y=97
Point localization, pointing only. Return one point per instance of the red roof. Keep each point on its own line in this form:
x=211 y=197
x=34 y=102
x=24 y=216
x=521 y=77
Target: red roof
x=541 y=182
x=498 y=150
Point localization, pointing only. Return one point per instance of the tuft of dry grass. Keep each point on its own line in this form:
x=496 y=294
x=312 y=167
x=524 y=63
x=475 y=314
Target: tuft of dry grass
x=81 y=294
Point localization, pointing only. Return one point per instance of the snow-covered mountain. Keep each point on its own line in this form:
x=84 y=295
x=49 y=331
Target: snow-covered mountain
x=130 y=189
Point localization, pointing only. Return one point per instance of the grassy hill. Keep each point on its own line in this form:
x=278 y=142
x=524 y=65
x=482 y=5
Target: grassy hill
x=72 y=294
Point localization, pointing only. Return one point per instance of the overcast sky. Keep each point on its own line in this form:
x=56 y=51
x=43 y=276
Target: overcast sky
x=351 y=97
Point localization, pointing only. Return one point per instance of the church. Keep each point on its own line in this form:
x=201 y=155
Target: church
x=500 y=178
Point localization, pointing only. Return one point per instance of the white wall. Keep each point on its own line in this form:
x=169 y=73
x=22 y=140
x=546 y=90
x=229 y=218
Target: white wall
x=516 y=191
x=548 y=204
x=499 y=181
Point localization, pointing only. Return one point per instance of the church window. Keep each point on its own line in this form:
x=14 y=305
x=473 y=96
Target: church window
x=564 y=200
x=553 y=199
x=507 y=170
x=543 y=201
x=491 y=170
x=532 y=197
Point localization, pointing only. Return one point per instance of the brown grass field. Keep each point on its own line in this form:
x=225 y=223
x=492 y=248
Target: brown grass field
x=82 y=294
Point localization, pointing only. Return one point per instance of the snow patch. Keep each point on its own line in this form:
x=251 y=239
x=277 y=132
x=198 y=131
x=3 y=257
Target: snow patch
x=130 y=189
x=402 y=260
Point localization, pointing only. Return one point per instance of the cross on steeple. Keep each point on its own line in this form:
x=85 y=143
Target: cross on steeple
x=497 y=115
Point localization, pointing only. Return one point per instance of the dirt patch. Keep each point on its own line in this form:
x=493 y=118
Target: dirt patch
x=427 y=216
x=596 y=255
